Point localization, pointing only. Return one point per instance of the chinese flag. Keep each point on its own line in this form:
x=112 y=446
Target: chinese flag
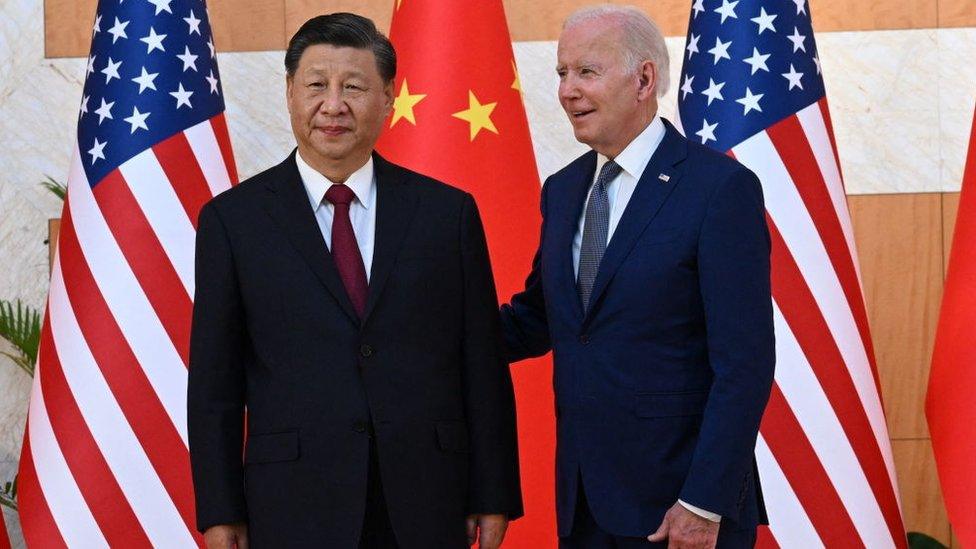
x=951 y=401
x=458 y=117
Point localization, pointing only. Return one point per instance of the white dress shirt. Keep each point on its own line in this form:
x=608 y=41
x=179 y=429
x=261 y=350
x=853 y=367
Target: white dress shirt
x=362 y=210
x=632 y=160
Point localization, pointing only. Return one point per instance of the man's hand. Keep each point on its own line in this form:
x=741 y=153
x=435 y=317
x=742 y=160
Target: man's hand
x=226 y=536
x=686 y=530
x=492 y=530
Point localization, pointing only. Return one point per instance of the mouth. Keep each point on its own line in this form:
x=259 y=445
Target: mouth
x=581 y=114
x=332 y=130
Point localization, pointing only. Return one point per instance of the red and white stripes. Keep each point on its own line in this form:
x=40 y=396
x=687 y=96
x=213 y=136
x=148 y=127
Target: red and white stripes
x=824 y=455
x=105 y=460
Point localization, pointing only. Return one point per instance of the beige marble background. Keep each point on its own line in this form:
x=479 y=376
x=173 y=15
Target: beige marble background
x=902 y=105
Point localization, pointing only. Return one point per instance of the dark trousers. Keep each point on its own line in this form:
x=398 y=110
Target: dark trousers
x=587 y=534
x=377 y=530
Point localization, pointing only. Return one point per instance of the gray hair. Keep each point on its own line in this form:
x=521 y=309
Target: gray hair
x=642 y=38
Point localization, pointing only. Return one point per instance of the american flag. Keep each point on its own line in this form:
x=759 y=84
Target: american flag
x=751 y=87
x=105 y=460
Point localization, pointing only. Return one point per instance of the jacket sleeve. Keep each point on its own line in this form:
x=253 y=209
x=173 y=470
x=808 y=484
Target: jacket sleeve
x=524 y=322
x=216 y=385
x=734 y=277
x=494 y=485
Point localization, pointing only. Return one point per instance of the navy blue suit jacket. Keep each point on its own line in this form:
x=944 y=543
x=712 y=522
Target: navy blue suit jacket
x=660 y=386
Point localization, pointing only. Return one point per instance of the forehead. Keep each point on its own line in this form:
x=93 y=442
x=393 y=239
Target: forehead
x=593 y=41
x=329 y=59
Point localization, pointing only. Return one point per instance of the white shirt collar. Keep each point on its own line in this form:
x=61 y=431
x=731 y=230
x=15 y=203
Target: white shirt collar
x=360 y=182
x=635 y=156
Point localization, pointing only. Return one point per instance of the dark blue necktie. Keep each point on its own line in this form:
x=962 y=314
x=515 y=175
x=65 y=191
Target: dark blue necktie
x=595 y=228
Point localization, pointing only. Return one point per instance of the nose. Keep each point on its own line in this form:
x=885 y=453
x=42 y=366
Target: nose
x=333 y=103
x=568 y=90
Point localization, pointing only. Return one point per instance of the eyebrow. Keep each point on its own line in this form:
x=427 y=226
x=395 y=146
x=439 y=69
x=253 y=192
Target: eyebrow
x=354 y=73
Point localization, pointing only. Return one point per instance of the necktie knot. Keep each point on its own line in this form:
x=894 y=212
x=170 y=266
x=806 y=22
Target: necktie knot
x=340 y=194
x=609 y=171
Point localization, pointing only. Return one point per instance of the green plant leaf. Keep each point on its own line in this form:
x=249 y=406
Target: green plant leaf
x=918 y=540
x=51 y=184
x=21 y=326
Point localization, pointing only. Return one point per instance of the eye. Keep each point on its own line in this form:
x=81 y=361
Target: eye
x=315 y=84
x=354 y=87
x=561 y=73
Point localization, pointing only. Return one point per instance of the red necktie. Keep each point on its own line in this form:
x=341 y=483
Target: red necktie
x=345 y=250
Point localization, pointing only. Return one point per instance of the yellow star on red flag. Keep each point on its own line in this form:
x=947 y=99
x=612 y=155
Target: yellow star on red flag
x=478 y=115
x=404 y=103
x=517 y=84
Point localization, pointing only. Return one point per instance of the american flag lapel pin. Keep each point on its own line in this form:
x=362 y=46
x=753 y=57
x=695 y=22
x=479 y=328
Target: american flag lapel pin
x=664 y=177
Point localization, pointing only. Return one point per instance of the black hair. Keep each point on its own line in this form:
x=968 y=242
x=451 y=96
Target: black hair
x=342 y=29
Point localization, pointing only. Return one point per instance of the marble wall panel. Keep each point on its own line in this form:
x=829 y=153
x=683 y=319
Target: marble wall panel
x=881 y=90
x=956 y=100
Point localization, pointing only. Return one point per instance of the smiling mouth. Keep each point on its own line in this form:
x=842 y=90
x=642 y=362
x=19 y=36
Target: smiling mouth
x=578 y=115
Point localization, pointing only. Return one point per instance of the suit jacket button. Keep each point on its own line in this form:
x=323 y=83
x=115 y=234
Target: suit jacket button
x=584 y=339
x=366 y=350
x=359 y=427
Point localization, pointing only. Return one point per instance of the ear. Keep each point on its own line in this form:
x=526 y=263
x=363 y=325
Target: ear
x=289 y=87
x=646 y=80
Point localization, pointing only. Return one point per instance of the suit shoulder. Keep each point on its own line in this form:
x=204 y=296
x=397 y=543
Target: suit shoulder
x=570 y=172
x=432 y=189
x=718 y=166
x=243 y=192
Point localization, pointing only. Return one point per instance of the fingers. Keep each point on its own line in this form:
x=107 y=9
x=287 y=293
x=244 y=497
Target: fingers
x=242 y=538
x=492 y=531
x=471 y=526
x=662 y=531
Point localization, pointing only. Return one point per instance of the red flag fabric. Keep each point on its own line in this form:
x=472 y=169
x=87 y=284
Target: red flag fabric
x=949 y=405
x=4 y=536
x=458 y=117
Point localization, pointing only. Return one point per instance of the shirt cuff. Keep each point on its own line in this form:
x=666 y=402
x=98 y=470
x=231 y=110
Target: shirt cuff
x=708 y=515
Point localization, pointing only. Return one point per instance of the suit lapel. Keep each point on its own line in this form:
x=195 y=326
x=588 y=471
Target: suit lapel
x=648 y=197
x=566 y=227
x=396 y=208
x=288 y=206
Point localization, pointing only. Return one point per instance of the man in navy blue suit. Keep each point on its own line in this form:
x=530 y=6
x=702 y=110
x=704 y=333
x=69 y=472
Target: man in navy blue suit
x=651 y=286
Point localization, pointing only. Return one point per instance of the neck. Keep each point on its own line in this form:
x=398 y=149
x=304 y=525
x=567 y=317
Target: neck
x=627 y=136
x=335 y=170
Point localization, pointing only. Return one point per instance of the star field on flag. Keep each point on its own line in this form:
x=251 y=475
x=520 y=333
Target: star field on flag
x=763 y=61
x=164 y=75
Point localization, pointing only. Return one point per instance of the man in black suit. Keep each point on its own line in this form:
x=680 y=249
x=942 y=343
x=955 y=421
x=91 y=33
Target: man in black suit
x=348 y=304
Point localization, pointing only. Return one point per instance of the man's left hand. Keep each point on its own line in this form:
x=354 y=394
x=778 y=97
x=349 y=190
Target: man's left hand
x=487 y=530
x=684 y=529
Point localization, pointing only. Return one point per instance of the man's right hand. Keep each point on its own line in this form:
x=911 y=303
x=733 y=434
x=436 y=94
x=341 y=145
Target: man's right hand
x=226 y=536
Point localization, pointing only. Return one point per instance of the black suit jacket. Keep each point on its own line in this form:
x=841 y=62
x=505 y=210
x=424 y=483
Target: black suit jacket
x=274 y=331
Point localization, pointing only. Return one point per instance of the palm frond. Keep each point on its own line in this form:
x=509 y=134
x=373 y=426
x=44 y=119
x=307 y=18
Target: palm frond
x=21 y=326
x=8 y=496
x=51 y=184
